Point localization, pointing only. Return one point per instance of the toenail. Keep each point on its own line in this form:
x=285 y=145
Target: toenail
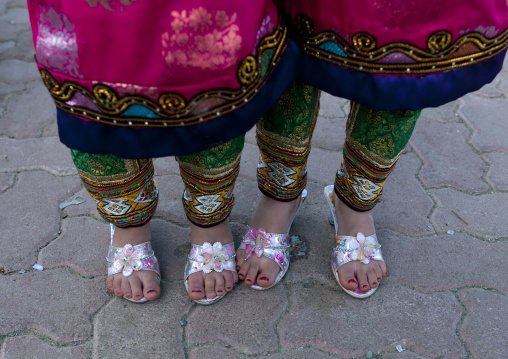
x=351 y=281
x=219 y=291
x=196 y=291
x=237 y=267
x=241 y=275
x=264 y=279
x=374 y=283
x=248 y=281
x=229 y=288
x=151 y=291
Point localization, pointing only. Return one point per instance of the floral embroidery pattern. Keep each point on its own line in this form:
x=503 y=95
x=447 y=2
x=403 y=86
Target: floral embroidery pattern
x=202 y=39
x=110 y=5
x=56 y=45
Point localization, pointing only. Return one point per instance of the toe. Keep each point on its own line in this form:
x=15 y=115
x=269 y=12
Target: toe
x=378 y=271
x=109 y=284
x=117 y=285
x=382 y=264
x=372 y=278
x=347 y=277
x=196 y=287
x=210 y=286
x=252 y=274
x=126 y=288
x=268 y=273
x=361 y=275
x=219 y=284
x=151 y=286
x=239 y=258
x=244 y=269
x=229 y=282
x=136 y=289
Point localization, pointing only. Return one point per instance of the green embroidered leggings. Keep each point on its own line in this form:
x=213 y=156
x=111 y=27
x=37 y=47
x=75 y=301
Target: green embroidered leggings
x=126 y=194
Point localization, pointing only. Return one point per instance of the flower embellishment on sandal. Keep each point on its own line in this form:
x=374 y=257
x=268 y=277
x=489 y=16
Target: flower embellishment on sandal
x=212 y=257
x=127 y=260
x=359 y=248
x=255 y=242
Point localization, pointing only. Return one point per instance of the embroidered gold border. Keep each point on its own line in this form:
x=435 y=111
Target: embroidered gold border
x=133 y=167
x=363 y=53
x=174 y=110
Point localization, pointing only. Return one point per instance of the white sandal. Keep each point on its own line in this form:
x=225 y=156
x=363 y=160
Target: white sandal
x=129 y=258
x=274 y=246
x=208 y=258
x=349 y=248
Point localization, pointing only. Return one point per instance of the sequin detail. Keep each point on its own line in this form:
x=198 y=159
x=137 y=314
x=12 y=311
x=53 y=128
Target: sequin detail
x=129 y=258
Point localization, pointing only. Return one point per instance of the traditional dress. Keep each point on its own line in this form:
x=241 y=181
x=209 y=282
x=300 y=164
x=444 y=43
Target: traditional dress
x=137 y=79
x=399 y=54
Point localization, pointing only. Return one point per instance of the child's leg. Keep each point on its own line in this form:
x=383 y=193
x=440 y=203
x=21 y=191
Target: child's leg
x=126 y=197
x=283 y=137
x=374 y=141
x=209 y=178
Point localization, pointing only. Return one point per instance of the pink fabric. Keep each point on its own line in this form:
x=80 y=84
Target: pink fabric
x=149 y=46
x=407 y=21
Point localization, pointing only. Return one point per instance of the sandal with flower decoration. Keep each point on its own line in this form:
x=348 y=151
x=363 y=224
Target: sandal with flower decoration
x=349 y=248
x=208 y=258
x=129 y=258
x=274 y=246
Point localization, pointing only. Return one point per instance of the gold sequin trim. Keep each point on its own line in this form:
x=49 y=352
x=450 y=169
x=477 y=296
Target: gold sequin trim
x=172 y=109
x=363 y=54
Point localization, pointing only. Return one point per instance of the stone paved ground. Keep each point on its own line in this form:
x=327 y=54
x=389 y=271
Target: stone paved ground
x=442 y=223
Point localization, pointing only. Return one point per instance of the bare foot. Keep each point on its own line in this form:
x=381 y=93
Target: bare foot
x=356 y=274
x=141 y=283
x=275 y=217
x=213 y=284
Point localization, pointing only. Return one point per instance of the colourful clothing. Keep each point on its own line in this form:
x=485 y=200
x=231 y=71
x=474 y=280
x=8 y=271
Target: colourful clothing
x=399 y=54
x=142 y=79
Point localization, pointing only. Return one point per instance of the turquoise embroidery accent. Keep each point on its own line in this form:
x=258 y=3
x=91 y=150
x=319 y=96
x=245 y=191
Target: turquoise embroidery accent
x=139 y=111
x=332 y=47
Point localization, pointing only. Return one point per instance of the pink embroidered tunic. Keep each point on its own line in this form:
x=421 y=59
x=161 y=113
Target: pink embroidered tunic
x=149 y=78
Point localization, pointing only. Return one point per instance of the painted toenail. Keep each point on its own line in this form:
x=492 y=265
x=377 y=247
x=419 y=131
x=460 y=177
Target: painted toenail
x=351 y=281
x=264 y=279
x=196 y=291
x=374 y=283
x=151 y=291
x=228 y=288
x=220 y=291
x=248 y=281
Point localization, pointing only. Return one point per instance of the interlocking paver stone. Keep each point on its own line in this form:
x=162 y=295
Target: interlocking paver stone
x=331 y=106
x=166 y=166
x=214 y=351
x=249 y=163
x=26 y=347
x=19 y=72
x=151 y=330
x=404 y=206
x=6 y=180
x=23 y=49
x=58 y=303
x=403 y=355
x=6 y=91
x=330 y=134
x=483 y=215
x=487 y=117
x=244 y=305
x=497 y=176
x=503 y=86
x=335 y=322
x=485 y=338
x=32 y=219
x=17 y=108
x=448 y=159
x=322 y=165
x=170 y=205
x=45 y=153
x=76 y=248
x=445 y=262
x=445 y=113
x=490 y=90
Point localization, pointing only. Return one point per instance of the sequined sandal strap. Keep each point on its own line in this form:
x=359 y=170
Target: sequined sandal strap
x=359 y=248
x=208 y=258
x=129 y=258
x=274 y=246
